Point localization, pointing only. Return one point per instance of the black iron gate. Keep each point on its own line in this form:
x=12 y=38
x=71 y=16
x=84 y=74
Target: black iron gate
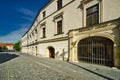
x=98 y=50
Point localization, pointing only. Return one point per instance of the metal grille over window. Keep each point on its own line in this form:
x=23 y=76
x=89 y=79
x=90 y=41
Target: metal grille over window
x=96 y=50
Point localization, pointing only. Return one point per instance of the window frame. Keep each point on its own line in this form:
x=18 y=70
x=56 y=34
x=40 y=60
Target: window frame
x=44 y=14
x=43 y=32
x=59 y=4
x=59 y=27
x=36 y=31
x=91 y=14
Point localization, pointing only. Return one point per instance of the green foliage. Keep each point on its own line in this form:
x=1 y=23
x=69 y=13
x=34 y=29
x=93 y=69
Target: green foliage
x=0 y=48
x=3 y=48
x=17 y=46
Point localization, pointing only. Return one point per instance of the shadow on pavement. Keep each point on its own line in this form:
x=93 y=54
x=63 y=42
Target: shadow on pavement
x=92 y=71
x=4 y=57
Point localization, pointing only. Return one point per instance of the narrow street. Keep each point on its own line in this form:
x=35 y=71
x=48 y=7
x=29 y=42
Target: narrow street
x=19 y=66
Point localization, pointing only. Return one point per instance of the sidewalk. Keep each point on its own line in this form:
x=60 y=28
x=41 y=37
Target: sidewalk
x=79 y=70
x=108 y=73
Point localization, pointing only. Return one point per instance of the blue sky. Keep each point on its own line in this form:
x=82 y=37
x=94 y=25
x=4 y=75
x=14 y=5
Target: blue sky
x=16 y=16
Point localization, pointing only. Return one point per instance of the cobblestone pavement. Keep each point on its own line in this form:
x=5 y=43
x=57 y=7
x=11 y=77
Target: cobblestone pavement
x=19 y=66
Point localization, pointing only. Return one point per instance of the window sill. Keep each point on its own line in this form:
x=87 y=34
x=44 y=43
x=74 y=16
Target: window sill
x=59 y=9
x=58 y=34
x=43 y=37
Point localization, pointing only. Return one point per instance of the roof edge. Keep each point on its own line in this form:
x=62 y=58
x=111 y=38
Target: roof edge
x=45 y=5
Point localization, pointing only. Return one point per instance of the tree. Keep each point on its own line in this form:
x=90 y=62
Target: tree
x=0 y=48
x=4 y=48
x=17 y=46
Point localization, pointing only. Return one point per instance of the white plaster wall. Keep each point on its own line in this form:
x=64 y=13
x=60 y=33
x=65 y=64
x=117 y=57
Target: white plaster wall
x=58 y=46
x=49 y=9
x=52 y=8
x=24 y=40
x=65 y=2
x=111 y=9
x=90 y=4
x=72 y=16
x=71 y=20
x=24 y=49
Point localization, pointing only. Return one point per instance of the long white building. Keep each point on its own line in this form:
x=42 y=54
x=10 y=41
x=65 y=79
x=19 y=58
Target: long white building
x=76 y=30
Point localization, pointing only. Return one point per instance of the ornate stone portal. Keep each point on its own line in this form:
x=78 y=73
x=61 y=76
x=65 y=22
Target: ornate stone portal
x=98 y=44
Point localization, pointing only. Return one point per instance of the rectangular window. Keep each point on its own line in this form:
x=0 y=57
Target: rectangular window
x=92 y=15
x=35 y=31
x=59 y=27
x=44 y=14
x=44 y=32
x=59 y=4
x=32 y=34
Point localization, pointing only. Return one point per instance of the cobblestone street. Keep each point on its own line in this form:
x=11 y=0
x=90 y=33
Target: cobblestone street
x=19 y=66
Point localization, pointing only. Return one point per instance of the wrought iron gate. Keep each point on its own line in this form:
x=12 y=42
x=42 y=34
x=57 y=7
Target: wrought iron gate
x=98 y=50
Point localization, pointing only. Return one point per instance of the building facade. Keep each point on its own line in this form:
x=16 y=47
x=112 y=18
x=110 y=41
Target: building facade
x=76 y=30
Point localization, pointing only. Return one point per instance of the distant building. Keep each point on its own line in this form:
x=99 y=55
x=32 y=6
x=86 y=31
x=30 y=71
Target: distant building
x=77 y=31
x=9 y=46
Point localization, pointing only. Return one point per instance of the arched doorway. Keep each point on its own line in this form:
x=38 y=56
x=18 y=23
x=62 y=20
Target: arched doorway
x=51 y=52
x=98 y=50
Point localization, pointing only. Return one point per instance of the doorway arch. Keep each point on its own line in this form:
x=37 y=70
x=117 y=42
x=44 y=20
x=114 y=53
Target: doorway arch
x=51 y=52
x=98 y=50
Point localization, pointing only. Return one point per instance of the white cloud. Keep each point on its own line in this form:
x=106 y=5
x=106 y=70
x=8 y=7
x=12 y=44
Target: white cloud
x=27 y=18
x=13 y=37
x=25 y=25
x=27 y=12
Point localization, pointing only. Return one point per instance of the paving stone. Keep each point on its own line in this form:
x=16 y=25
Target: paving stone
x=21 y=66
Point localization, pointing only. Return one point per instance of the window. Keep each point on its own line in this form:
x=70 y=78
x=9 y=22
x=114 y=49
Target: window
x=59 y=4
x=92 y=15
x=58 y=19
x=35 y=31
x=32 y=34
x=59 y=27
x=44 y=14
x=44 y=32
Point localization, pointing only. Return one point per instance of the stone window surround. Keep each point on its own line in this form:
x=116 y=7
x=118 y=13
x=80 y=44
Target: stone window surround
x=43 y=26
x=56 y=19
x=92 y=13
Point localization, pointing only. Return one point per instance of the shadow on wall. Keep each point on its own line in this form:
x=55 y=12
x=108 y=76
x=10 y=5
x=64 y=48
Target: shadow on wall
x=61 y=55
x=4 y=57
